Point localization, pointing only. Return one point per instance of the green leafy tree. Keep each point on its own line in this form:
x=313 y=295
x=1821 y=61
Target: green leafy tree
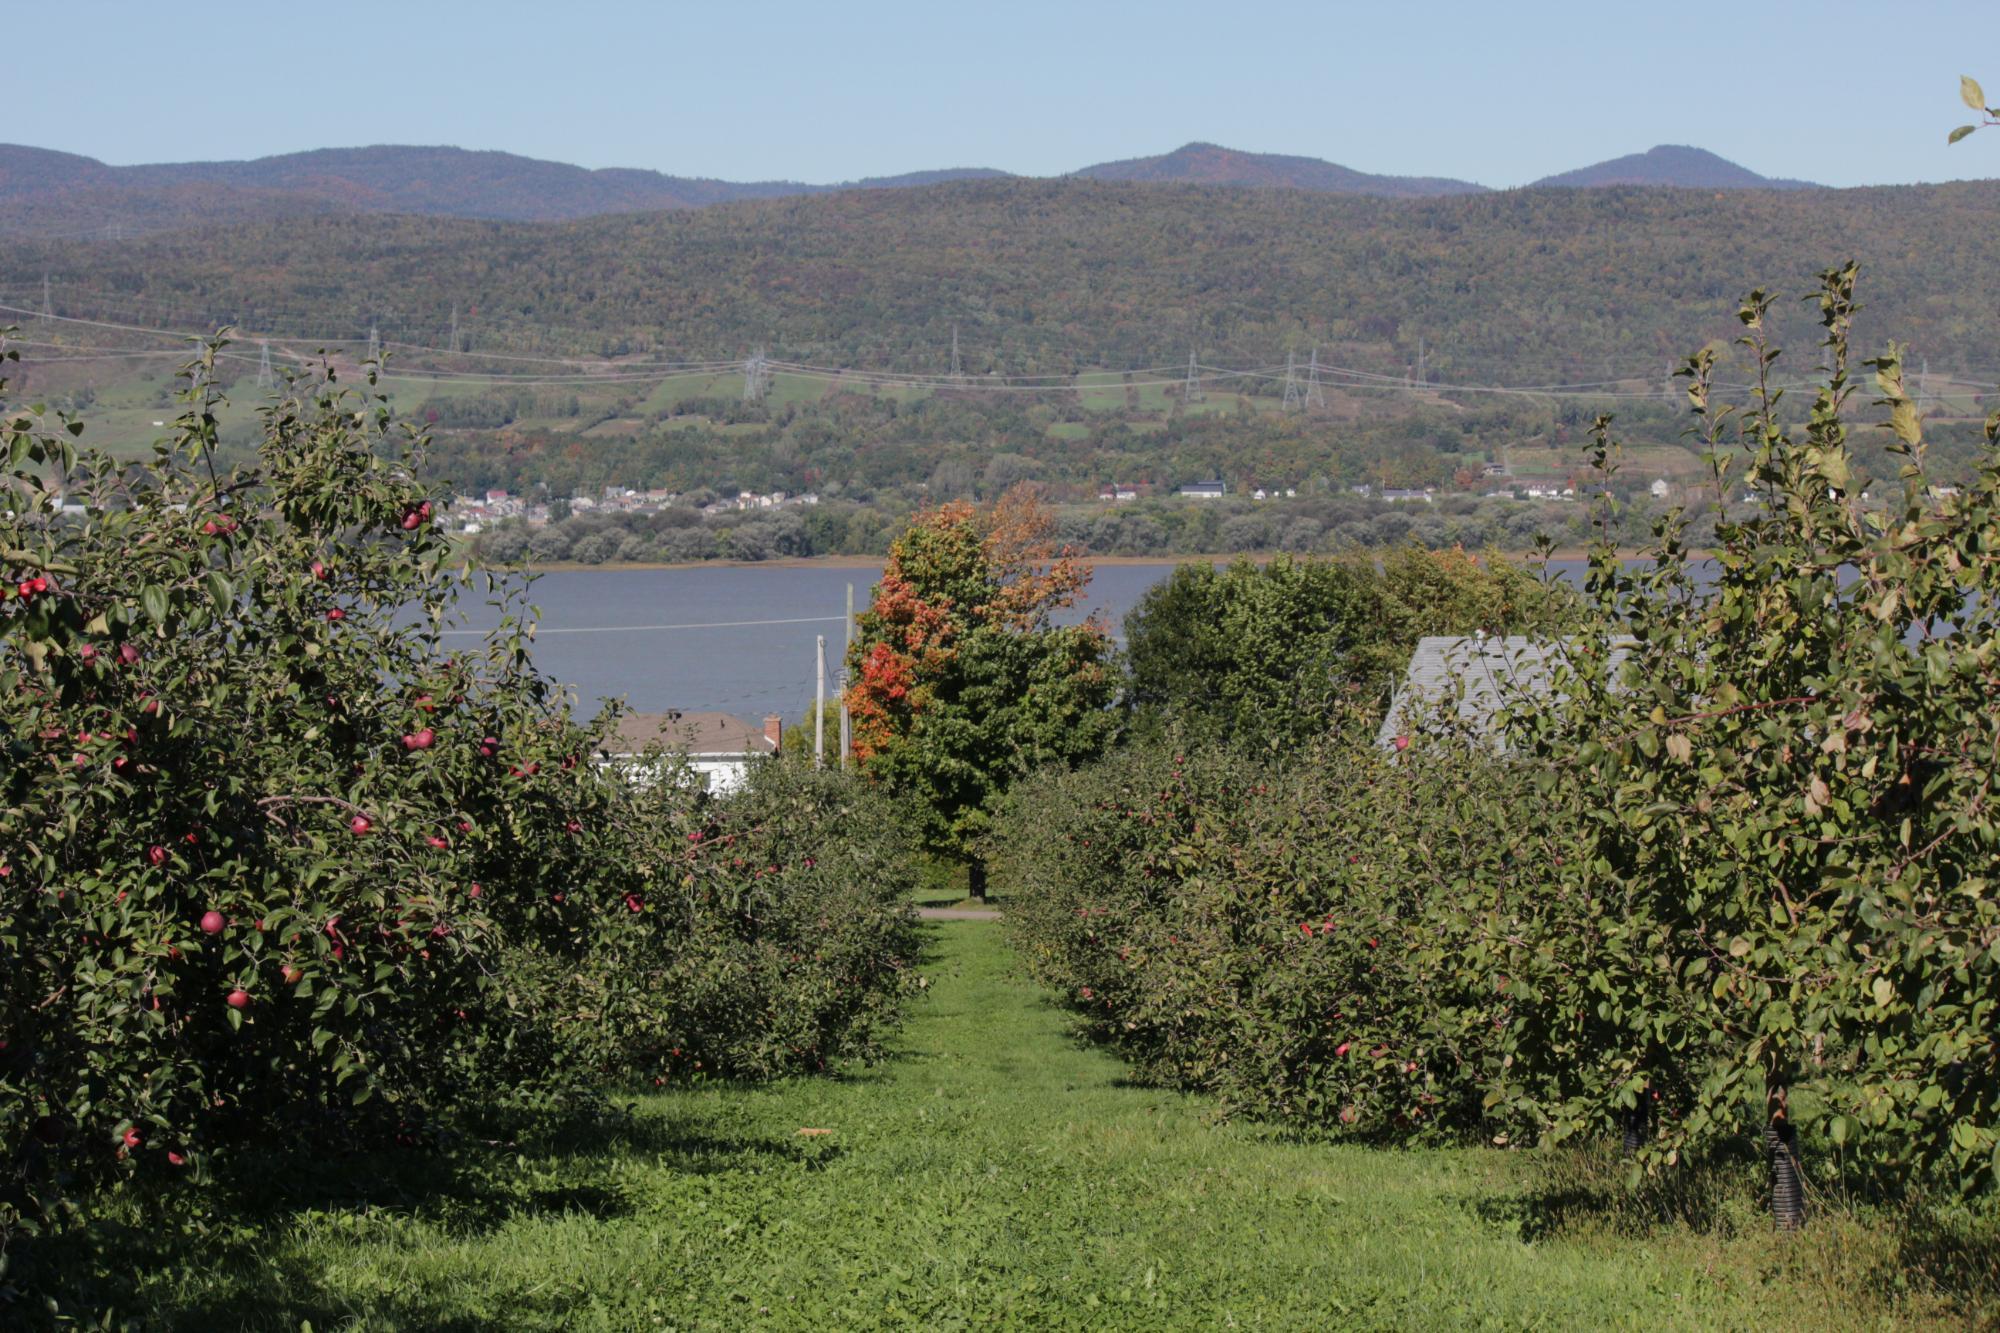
x=1271 y=654
x=960 y=679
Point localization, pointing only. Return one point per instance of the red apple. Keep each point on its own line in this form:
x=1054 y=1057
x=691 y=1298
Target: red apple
x=239 y=999
x=336 y=614
x=157 y=855
x=212 y=923
x=318 y=572
x=425 y=739
x=133 y=1138
x=1402 y=742
x=360 y=825
x=474 y=891
x=292 y=975
x=412 y=521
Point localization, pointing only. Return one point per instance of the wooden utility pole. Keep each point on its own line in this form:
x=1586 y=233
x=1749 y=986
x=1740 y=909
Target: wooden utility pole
x=846 y=645
x=819 y=705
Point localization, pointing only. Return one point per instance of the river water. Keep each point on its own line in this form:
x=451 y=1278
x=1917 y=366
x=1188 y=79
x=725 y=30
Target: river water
x=736 y=640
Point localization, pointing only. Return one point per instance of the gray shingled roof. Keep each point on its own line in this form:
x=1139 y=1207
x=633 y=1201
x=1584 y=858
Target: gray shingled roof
x=1473 y=677
x=709 y=734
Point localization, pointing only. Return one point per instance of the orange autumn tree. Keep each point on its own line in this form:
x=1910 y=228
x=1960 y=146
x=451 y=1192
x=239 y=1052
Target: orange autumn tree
x=961 y=681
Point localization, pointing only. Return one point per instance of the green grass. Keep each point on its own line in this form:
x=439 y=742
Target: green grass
x=995 y=1173
x=1101 y=391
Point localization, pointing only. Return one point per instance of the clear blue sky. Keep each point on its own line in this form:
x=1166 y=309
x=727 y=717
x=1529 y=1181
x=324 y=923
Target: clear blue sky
x=1497 y=92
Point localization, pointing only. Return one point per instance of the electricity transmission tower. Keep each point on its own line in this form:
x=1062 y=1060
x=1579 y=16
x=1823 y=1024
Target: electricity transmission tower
x=1294 y=398
x=264 y=375
x=48 y=310
x=1315 y=396
x=1667 y=394
x=374 y=345
x=755 y=376
x=1422 y=378
x=1924 y=388
x=453 y=344
x=1191 y=392
x=954 y=352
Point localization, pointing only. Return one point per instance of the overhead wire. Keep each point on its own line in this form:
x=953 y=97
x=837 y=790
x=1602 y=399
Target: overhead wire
x=620 y=371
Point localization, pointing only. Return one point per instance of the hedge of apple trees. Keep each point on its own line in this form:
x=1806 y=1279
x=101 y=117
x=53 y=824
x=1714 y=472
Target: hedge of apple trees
x=1741 y=889
x=1289 y=934
x=1784 y=915
x=275 y=859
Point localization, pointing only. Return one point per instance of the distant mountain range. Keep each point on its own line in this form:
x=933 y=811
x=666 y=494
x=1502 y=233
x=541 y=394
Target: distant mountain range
x=1211 y=164
x=1672 y=165
x=48 y=193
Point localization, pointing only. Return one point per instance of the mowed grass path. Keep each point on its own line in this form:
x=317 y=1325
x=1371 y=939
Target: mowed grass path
x=995 y=1174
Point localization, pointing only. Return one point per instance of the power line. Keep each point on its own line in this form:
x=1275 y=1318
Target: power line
x=618 y=372
x=541 y=630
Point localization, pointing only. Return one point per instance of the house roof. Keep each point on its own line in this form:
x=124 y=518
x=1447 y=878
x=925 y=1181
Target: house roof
x=709 y=734
x=1472 y=678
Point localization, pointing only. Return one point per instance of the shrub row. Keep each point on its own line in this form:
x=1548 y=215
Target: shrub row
x=1731 y=876
x=278 y=860
x=1287 y=936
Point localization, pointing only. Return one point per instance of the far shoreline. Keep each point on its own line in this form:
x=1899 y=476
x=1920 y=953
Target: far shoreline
x=1525 y=559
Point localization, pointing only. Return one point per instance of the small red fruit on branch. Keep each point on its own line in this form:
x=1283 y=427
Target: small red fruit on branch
x=239 y=999
x=359 y=825
x=157 y=855
x=212 y=923
x=133 y=1138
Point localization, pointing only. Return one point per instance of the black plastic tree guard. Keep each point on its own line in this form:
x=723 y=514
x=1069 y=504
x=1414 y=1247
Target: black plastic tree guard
x=1635 y=1129
x=1788 y=1200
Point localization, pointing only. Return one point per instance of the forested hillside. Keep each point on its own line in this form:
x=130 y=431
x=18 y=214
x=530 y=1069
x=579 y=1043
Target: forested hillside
x=1522 y=287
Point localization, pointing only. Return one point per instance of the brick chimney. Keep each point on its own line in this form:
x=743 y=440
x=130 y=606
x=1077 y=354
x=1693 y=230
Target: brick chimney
x=774 y=731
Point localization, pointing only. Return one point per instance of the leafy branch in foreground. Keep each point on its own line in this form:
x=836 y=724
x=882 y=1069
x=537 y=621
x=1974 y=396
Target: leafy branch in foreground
x=1973 y=96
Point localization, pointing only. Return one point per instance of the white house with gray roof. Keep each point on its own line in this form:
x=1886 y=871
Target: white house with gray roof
x=1465 y=680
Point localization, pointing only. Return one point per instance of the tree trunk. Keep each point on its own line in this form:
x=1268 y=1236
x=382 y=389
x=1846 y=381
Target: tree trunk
x=975 y=880
x=1788 y=1200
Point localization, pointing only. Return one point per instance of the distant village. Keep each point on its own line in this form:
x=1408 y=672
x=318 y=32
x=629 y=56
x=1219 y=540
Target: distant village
x=472 y=514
